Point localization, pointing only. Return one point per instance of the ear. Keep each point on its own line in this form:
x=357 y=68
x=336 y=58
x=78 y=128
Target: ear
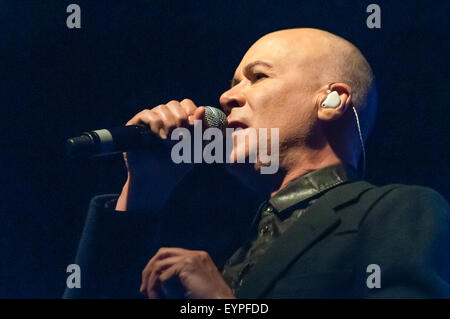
x=329 y=114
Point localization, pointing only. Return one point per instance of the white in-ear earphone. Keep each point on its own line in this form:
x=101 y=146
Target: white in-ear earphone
x=333 y=100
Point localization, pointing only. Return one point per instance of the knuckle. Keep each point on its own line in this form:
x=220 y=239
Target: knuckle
x=164 y=113
x=180 y=112
x=157 y=267
x=145 y=112
x=188 y=105
x=163 y=250
x=159 y=107
x=187 y=101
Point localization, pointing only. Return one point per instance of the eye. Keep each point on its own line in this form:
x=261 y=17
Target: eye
x=258 y=76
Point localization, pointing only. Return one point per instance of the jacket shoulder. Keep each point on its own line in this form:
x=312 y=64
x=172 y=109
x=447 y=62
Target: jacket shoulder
x=398 y=207
x=406 y=231
x=391 y=205
x=410 y=197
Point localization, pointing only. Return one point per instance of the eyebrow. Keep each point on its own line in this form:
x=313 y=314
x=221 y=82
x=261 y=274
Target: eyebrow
x=248 y=67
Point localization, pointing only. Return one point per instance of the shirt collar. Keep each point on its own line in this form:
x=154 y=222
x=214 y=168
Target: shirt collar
x=312 y=184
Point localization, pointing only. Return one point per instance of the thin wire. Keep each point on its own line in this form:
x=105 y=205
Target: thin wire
x=362 y=144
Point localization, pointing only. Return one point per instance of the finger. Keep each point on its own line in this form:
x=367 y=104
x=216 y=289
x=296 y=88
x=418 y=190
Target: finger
x=154 y=283
x=169 y=120
x=163 y=252
x=153 y=288
x=188 y=106
x=148 y=118
x=170 y=283
x=179 y=112
x=155 y=269
x=171 y=271
x=199 y=114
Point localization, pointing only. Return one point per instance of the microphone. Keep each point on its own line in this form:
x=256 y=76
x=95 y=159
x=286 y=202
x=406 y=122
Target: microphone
x=120 y=139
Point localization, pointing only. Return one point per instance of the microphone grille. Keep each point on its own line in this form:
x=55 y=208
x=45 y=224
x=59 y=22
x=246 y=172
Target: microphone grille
x=215 y=118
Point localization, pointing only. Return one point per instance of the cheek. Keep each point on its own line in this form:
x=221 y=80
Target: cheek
x=267 y=105
x=294 y=124
x=287 y=108
x=298 y=122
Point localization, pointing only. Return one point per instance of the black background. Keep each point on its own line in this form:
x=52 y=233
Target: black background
x=129 y=55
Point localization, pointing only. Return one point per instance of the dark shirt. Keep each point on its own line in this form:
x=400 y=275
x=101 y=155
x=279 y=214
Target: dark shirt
x=276 y=215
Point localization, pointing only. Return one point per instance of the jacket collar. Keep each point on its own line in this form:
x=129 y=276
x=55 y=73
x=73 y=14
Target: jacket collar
x=319 y=220
x=312 y=184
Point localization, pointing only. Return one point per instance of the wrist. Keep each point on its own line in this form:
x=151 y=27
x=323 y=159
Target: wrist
x=142 y=195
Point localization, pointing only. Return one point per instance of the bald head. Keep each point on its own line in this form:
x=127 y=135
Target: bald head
x=328 y=58
x=279 y=84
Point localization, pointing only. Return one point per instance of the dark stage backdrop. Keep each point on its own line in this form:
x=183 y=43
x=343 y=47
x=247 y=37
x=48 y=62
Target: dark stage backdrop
x=128 y=55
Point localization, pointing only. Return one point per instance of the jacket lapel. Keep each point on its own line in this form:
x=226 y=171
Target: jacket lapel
x=318 y=221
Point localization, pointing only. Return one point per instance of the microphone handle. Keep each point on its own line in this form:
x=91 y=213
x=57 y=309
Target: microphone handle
x=109 y=141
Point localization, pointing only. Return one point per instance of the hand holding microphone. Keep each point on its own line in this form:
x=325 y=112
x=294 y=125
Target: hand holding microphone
x=145 y=141
x=152 y=175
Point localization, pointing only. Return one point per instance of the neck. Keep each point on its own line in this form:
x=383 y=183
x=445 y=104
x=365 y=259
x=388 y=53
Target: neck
x=300 y=162
x=296 y=163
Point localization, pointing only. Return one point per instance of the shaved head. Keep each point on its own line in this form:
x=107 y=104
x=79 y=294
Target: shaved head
x=329 y=59
x=281 y=82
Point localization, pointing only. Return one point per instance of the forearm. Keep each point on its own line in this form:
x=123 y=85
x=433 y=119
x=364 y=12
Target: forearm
x=112 y=249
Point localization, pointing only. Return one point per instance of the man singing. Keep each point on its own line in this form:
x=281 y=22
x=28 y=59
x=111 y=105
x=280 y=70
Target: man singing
x=320 y=231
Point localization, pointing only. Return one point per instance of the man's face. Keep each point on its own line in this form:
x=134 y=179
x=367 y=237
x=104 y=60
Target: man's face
x=273 y=87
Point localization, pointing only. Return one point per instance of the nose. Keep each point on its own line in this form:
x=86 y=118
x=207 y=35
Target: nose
x=234 y=97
